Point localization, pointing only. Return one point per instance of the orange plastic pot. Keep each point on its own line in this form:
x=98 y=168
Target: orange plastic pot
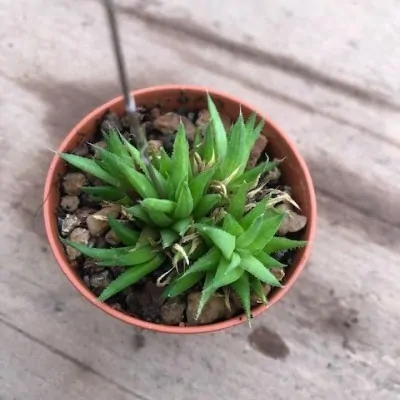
x=294 y=172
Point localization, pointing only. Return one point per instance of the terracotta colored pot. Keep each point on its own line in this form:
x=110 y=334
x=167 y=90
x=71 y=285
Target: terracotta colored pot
x=294 y=173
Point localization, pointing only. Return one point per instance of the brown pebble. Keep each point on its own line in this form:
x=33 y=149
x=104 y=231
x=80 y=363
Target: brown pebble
x=80 y=236
x=98 y=222
x=213 y=310
x=69 y=223
x=100 y=280
x=82 y=150
x=73 y=183
x=172 y=311
x=111 y=238
x=293 y=222
x=279 y=273
x=169 y=123
x=69 y=203
x=258 y=148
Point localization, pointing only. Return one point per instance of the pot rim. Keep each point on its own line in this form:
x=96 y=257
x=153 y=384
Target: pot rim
x=60 y=257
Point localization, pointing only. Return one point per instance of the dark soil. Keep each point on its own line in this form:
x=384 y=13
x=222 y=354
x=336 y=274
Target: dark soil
x=141 y=300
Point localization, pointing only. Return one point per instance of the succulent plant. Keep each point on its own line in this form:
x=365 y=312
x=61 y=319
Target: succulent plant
x=194 y=209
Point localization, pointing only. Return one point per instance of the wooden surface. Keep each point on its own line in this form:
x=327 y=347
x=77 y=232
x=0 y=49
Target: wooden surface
x=327 y=72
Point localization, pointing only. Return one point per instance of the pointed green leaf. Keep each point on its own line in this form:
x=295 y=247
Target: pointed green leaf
x=89 y=166
x=267 y=260
x=252 y=174
x=138 y=212
x=160 y=219
x=106 y=193
x=182 y=226
x=199 y=185
x=180 y=158
x=165 y=163
x=281 y=243
x=168 y=237
x=258 y=288
x=206 y=293
x=197 y=138
x=148 y=235
x=249 y=236
x=155 y=161
x=109 y=164
x=233 y=263
x=207 y=149
x=250 y=137
x=220 y=139
x=235 y=151
x=98 y=254
x=269 y=227
x=208 y=262
x=135 y=154
x=136 y=256
x=182 y=284
x=206 y=205
x=252 y=132
x=255 y=212
x=242 y=288
x=126 y=235
x=137 y=157
x=115 y=146
x=225 y=278
x=223 y=240
x=238 y=201
x=140 y=183
x=162 y=182
x=257 y=269
x=193 y=164
x=131 y=276
x=251 y=122
x=232 y=226
x=185 y=202
x=165 y=206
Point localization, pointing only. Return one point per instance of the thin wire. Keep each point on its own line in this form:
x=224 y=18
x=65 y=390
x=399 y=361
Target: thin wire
x=130 y=106
x=116 y=42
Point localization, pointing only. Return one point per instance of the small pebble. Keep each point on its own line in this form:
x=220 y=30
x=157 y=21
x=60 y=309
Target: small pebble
x=100 y=280
x=98 y=222
x=169 y=123
x=73 y=183
x=69 y=203
x=279 y=273
x=82 y=150
x=111 y=238
x=172 y=311
x=258 y=148
x=69 y=223
x=78 y=235
x=213 y=310
x=293 y=222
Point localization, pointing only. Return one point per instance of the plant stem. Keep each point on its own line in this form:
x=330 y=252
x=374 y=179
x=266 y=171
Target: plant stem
x=133 y=117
